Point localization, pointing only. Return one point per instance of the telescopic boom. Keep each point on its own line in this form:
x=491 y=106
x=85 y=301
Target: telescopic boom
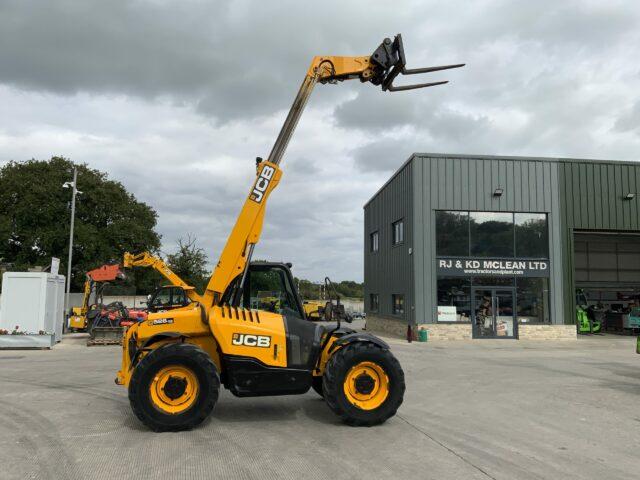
x=380 y=68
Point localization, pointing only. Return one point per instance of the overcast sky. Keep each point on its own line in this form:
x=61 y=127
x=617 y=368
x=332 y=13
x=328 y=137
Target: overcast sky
x=176 y=99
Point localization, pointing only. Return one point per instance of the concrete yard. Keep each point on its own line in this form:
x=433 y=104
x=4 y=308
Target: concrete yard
x=482 y=409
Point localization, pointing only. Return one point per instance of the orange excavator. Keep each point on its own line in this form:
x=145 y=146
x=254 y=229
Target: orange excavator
x=105 y=323
x=94 y=284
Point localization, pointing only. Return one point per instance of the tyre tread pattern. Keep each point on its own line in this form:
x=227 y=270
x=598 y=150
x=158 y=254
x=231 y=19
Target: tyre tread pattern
x=337 y=367
x=196 y=355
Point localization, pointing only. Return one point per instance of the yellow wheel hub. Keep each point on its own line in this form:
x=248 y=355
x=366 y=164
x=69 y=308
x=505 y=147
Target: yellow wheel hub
x=174 y=389
x=366 y=385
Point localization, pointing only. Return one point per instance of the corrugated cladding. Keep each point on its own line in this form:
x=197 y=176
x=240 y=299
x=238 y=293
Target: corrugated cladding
x=389 y=270
x=592 y=198
x=460 y=182
x=576 y=195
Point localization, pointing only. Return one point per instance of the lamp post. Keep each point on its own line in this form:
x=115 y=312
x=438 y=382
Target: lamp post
x=74 y=189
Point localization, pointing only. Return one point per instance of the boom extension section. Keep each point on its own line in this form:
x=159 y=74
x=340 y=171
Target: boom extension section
x=145 y=259
x=380 y=68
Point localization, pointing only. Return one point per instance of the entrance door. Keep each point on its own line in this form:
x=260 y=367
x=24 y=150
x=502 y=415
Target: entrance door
x=494 y=312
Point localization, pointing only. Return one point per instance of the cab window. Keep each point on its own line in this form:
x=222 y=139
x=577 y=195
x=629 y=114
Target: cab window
x=162 y=298
x=178 y=297
x=269 y=289
x=169 y=297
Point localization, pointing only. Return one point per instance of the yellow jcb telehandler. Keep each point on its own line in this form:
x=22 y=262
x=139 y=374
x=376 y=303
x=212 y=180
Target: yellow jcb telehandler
x=174 y=362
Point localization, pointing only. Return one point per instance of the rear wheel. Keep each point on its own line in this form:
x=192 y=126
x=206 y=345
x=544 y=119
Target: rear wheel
x=363 y=384
x=316 y=384
x=174 y=387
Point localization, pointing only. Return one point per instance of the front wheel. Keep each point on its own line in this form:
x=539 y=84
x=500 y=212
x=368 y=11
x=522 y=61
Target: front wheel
x=363 y=384
x=174 y=388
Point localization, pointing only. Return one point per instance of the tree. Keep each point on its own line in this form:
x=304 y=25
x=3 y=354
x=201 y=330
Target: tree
x=350 y=289
x=346 y=289
x=308 y=290
x=190 y=263
x=35 y=216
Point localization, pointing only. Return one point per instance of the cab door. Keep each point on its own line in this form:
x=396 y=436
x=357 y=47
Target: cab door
x=268 y=347
x=168 y=298
x=270 y=287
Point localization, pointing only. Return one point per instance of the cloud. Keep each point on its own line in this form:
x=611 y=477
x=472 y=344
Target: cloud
x=177 y=99
x=629 y=121
x=228 y=59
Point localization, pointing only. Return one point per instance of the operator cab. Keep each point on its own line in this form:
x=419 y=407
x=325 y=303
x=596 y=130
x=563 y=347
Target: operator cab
x=167 y=298
x=269 y=286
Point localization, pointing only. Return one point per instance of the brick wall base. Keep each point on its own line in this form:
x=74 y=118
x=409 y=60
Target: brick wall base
x=451 y=332
x=447 y=331
x=386 y=327
x=547 y=332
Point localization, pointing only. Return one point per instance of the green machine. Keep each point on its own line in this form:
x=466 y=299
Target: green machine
x=585 y=320
x=634 y=321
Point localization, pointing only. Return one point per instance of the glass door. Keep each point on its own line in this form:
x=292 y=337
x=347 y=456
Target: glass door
x=494 y=312
x=482 y=308
x=505 y=319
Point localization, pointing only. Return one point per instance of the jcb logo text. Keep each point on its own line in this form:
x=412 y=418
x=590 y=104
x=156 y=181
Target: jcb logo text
x=251 y=340
x=262 y=183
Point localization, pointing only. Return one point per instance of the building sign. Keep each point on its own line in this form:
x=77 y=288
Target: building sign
x=447 y=314
x=477 y=267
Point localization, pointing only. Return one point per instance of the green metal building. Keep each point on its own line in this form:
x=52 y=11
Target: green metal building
x=484 y=246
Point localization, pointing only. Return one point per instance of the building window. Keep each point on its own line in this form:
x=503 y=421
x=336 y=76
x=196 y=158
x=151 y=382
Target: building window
x=532 y=237
x=398 y=304
x=374 y=242
x=454 y=299
x=533 y=300
x=373 y=298
x=452 y=234
x=398 y=232
x=491 y=234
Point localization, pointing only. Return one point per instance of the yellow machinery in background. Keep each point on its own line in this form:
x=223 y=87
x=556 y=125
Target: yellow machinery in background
x=96 y=280
x=313 y=309
x=175 y=361
x=328 y=310
x=177 y=294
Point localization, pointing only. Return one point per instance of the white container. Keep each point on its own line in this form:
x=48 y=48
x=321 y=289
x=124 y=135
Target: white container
x=32 y=301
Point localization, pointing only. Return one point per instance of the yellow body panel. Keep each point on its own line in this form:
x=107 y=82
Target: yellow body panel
x=312 y=307
x=340 y=68
x=324 y=356
x=237 y=331
x=187 y=321
x=78 y=322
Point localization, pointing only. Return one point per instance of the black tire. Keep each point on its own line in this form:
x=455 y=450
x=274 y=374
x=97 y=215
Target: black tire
x=316 y=384
x=336 y=372
x=175 y=354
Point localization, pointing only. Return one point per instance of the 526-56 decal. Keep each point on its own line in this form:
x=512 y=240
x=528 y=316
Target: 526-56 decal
x=247 y=340
x=160 y=321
